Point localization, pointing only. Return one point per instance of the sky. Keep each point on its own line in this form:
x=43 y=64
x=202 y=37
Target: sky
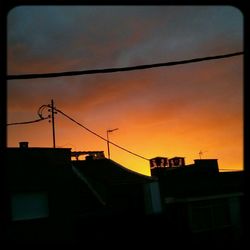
x=167 y=111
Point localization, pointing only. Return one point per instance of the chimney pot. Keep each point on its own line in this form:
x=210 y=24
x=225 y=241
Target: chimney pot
x=23 y=144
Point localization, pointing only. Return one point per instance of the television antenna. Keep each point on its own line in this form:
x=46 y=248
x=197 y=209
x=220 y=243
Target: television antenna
x=201 y=153
x=109 y=131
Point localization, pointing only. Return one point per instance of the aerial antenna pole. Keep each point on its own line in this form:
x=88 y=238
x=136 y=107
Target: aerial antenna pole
x=53 y=122
x=201 y=153
x=108 y=131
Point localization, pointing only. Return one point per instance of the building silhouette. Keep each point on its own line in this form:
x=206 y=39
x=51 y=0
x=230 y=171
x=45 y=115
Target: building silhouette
x=55 y=197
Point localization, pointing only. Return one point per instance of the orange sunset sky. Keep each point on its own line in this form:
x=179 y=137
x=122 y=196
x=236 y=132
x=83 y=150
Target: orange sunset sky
x=167 y=111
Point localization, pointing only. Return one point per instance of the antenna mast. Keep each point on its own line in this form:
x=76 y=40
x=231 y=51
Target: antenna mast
x=53 y=122
x=201 y=153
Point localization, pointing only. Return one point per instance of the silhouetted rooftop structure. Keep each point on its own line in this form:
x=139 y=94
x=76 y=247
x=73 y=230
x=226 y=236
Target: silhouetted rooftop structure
x=54 y=197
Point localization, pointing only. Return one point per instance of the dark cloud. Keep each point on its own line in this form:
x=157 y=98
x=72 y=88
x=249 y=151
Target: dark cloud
x=107 y=36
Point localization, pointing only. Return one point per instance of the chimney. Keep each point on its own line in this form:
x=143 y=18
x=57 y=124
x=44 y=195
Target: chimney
x=23 y=144
x=159 y=165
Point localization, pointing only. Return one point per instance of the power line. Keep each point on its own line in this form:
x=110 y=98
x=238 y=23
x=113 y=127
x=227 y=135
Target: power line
x=20 y=123
x=112 y=70
x=39 y=113
x=73 y=120
x=41 y=109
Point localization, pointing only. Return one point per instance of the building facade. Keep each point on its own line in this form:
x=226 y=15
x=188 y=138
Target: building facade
x=56 y=198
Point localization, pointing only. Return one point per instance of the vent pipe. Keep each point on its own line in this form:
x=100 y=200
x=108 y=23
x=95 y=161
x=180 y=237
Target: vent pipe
x=23 y=144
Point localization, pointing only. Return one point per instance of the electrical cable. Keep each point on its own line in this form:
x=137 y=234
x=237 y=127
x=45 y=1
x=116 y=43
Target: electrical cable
x=40 y=110
x=112 y=70
x=39 y=113
x=20 y=123
x=73 y=120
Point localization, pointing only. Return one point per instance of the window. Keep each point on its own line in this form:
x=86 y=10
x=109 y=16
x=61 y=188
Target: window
x=152 y=198
x=209 y=214
x=26 y=206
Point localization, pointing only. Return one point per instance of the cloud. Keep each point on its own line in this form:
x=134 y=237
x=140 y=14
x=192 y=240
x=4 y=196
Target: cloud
x=96 y=36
